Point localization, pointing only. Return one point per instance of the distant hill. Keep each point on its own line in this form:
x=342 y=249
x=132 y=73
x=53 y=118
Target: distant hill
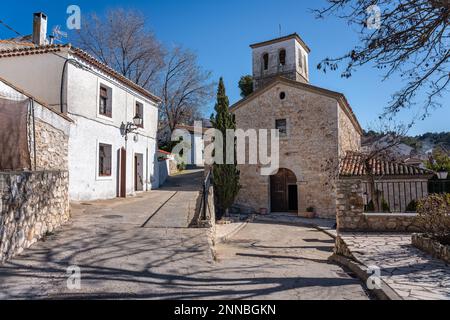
x=429 y=141
x=422 y=143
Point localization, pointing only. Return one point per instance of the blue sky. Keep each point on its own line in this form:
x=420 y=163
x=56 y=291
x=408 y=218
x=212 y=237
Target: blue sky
x=220 y=33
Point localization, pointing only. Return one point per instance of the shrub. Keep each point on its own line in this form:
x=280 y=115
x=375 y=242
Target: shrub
x=370 y=206
x=181 y=166
x=385 y=206
x=310 y=209
x=412 y=206
x=434 y=216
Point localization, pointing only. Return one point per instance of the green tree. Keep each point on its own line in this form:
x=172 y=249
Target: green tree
x=246 y=86
x=440 y=161
x=225 y=176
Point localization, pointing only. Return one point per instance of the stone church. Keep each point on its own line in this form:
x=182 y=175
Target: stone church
x=317 y=127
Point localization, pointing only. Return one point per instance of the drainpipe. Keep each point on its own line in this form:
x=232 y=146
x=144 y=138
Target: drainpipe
x=34 y=134
x=63 y=76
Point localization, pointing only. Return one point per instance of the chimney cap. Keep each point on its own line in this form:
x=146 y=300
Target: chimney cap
x=40 y=14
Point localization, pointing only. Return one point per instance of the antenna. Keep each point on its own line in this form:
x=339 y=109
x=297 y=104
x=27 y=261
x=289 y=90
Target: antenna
x=279 y=27
x=58 y=34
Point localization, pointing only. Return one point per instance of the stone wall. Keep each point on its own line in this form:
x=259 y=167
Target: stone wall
x=432 y=247
x=32 y=204
x=349 y=137
x=290 y=70
x=51 y=147
x=351 y=217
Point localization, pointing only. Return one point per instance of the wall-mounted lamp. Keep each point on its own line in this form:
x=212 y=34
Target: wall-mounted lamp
x=131 y=127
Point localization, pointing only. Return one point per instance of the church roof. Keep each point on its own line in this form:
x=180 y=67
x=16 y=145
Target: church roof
x=340 y=97
x=288 y=37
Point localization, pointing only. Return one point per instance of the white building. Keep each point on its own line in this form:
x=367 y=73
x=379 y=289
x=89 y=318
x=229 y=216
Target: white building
x=196 y=143
x=103 y=162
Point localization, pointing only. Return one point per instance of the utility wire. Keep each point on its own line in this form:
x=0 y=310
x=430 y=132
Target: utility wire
x=78 y=65
x=10 y=28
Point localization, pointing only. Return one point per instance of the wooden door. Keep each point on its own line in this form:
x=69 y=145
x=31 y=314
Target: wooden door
x=123 y=173
x=281 y=191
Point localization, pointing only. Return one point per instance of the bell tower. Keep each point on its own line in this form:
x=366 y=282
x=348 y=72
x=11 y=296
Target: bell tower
x=286 y=56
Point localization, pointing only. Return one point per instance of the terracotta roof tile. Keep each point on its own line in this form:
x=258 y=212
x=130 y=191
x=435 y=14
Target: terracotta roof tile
x=353 y=166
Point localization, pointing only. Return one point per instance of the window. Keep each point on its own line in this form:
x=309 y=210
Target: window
x=139 y=111
x=105 y=103
x=104 y=160
x=282 y=95
x=266 y=61
x=300 y=59
x=281 y=125
x=282 y=57
x=305 y=65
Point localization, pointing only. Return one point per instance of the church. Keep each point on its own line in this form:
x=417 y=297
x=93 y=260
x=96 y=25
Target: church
x=317 y=127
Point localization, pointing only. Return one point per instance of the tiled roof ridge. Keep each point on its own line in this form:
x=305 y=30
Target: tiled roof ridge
x=83 y=55
x=352 y=165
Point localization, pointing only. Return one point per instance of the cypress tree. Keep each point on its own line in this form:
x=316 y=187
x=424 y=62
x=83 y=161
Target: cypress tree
x=225 y=176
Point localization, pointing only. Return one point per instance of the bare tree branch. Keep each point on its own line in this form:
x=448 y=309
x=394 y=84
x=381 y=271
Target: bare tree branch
x=122 y=41
x=412 y=41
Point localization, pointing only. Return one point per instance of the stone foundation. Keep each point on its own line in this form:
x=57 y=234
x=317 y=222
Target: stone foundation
x=432 y=247
x=32 y=204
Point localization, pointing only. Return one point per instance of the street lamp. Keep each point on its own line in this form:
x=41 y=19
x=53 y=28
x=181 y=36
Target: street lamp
x=137 y=120
x=131 y=127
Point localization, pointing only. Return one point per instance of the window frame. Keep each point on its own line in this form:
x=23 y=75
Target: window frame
x=142 y=106
x=101 y=176
x=265 y=62
x=284 y=58
x=300 y=59
x=280 y=134
x=109 y=101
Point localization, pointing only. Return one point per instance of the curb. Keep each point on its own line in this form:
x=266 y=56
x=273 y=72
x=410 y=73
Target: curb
x=385 y=293
x=229 y=235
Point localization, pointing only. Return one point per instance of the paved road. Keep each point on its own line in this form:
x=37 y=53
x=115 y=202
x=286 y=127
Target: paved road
x=285 y=261
x=121 y=259
x=179 y=210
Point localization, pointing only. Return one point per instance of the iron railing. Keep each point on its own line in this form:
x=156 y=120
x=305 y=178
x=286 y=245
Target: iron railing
x=439 y=186
x=397 y=196
x=205 y=196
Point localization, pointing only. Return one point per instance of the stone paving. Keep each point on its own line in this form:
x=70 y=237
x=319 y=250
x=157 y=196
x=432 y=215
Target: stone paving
x=411 y=273
x=179 y=210
x=120 y=259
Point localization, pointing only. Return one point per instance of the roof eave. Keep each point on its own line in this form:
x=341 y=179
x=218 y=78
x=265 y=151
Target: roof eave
x=288 y=37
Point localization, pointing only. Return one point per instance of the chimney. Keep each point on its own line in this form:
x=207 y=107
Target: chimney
x=39 y=29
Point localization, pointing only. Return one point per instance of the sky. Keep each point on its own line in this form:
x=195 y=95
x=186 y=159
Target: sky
x=220 y=33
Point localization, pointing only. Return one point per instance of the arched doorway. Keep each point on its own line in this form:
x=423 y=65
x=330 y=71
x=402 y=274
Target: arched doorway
x=283 y=191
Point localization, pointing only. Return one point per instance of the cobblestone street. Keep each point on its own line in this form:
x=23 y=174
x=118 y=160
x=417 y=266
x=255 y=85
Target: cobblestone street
x=411 y=273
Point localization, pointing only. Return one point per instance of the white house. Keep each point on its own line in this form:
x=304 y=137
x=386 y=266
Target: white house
x=196 y=144
x=104 y=159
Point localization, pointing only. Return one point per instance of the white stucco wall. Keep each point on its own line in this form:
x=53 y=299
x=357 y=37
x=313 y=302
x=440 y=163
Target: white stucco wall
x=92 y=128
x=40 y=75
